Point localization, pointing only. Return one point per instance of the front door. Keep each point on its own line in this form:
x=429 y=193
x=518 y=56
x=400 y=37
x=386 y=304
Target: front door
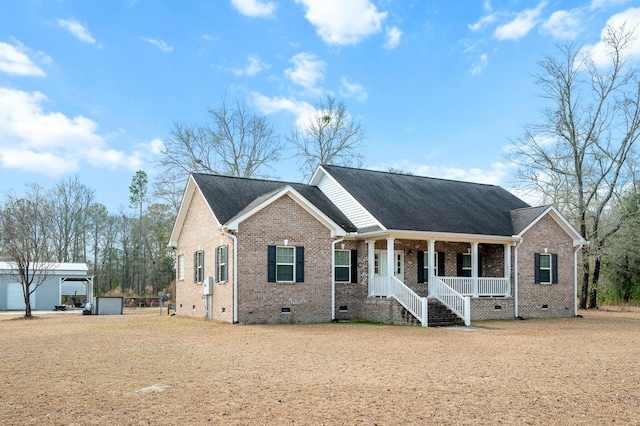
x=381 y=264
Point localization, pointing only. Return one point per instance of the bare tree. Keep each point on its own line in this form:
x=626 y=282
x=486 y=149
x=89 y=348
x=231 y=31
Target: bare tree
x=235 y=142
x=581 y=155
x=70 y=200
x=330 y=136
x=25 y=225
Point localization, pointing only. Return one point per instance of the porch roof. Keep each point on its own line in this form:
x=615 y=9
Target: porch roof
x=416 y=203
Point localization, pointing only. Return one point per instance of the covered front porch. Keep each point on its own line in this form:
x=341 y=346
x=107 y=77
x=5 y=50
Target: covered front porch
x=453 y=270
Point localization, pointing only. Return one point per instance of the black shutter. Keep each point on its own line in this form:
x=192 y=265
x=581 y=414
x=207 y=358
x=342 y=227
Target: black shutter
x=479 y=264
x=195 y=266
x=554 y=268
x=459 y=264
x=354 y=266
x=536 y=268
x=201 y=277
x=217 y=273
x=299 y=264
x=271 y=264
x=441 y=263
x=421 y=277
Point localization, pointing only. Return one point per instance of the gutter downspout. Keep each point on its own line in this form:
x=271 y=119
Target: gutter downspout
x=226 y=232
x=333 y=277
x=515 y=278
x=575 y=278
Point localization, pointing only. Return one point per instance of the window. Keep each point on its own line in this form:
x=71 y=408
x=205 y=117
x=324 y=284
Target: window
x=434 y=267
x=376 y=263
x=342 y=260
x=285 y=257
x=546 y=268
x=466 y=265
x=180 y=267
x=198 y=266
x=423 y=265
x=222 y=273
x=285 y=264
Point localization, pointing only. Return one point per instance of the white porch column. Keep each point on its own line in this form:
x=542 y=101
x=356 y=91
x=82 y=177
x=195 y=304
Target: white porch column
x=391 y=270
x=474 y=267
x=507 y=267
x=430 y=256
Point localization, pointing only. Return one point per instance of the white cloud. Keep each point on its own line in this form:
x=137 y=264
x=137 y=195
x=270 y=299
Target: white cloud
x=342 y=22
x=601 y=4
x=158 y=43
x=301 y=109
x=393 y=38
x=480 y=65
x=157 y=146
x=495 y=175
x=353 y=90
x=521 y=24
x=254 y=8
x=563 y=24
x=482 y=22
x=253 y=67
x=630 y=18
x=14 y=61
x=77 y=30
x=50 y=142
x=307 y=71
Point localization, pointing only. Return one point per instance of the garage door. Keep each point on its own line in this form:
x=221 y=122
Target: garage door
x=15 y=299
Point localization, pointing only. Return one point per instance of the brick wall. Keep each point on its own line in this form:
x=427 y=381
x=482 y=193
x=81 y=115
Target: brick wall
x=260 y=301
x=558 y=298
x=200 y=232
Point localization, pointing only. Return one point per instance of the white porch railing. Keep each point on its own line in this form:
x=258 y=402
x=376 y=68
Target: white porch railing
x=486 y=286
x=459 y=304
x=393 y=287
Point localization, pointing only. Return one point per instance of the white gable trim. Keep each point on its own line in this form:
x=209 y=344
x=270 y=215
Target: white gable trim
x=187 y=198
x=296 y=197
x=346 y=203
x=560 y=220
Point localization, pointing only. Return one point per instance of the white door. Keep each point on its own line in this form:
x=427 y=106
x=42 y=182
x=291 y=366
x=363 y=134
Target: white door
x=381 y=264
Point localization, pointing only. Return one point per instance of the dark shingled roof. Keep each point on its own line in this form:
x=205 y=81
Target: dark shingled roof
x=228 y=196
x=415 y=203
x=521 y=218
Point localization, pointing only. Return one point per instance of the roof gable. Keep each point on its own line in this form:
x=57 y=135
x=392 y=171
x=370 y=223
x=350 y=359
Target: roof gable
x=416 y=203
x=233 y=199
x=525 y=219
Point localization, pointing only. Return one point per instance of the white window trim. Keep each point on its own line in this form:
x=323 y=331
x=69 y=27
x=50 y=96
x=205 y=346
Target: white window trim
x=221 y=264
x=293 y=264
x=470 y=267
x=549 y=268
x=180 y=267
x=426 y=264
x=199 y=266
x=348 y=266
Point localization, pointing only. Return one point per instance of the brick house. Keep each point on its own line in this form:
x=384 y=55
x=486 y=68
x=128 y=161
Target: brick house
x=362 y=244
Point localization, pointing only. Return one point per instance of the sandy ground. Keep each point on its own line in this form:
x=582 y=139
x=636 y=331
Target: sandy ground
x=73 y=369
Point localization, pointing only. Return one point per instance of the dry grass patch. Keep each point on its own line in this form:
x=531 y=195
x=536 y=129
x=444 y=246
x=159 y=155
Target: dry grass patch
x=74 y=369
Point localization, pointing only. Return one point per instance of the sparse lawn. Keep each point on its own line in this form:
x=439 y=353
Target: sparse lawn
x=74 y=369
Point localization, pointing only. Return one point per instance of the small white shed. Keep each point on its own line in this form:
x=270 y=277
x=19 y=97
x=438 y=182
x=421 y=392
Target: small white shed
x=64 y=279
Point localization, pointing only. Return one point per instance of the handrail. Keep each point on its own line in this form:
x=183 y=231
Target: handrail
x=459 y=304
x=393 y=287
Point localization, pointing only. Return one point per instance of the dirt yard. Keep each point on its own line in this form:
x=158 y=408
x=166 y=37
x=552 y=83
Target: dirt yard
x=72 y=369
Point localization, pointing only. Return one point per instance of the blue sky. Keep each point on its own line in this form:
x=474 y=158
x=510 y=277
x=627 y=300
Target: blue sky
x=91 y=88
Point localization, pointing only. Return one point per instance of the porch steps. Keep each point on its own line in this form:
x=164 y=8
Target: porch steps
x=439 y=316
